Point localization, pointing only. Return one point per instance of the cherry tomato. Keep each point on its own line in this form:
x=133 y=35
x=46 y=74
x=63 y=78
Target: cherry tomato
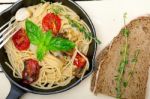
x=21 y=40
x=79 y=61
x=31 y=71
x=51 y=22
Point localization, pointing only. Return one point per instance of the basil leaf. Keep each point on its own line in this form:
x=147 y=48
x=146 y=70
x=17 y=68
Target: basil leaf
x=47 y=38
x=60 y=44
x=34 y=32
x=41 y=51
x=42 y=48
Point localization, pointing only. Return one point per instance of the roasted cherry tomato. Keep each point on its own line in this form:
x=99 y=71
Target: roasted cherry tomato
x=51 y=22
x=79 y=61
x=21 y=40
x=31 y=71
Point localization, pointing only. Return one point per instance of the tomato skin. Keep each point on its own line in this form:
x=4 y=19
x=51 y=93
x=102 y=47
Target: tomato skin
x=31 y=71
x=79 y=61
x=21 y=40
x=51 y=22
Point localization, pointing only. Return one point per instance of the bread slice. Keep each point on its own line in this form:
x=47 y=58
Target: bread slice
x=103 y=80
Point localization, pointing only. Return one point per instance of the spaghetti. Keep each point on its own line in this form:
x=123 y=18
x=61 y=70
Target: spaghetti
x=56 y=69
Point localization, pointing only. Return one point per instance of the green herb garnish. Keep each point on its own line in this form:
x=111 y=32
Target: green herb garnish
x=60 y=44
x=133 y=61
x=45 y=41
x=81 y=28
x=43 y=1
x=124 y=61
x=57 y=9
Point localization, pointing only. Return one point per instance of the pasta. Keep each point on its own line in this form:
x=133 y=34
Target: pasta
x=56 y=69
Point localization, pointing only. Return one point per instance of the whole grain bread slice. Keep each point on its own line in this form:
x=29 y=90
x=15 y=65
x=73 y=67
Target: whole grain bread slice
x=103 y=80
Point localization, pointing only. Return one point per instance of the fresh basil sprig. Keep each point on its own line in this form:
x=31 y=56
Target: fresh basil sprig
x=57 y=44
x=45 y=41
x=34 y=32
